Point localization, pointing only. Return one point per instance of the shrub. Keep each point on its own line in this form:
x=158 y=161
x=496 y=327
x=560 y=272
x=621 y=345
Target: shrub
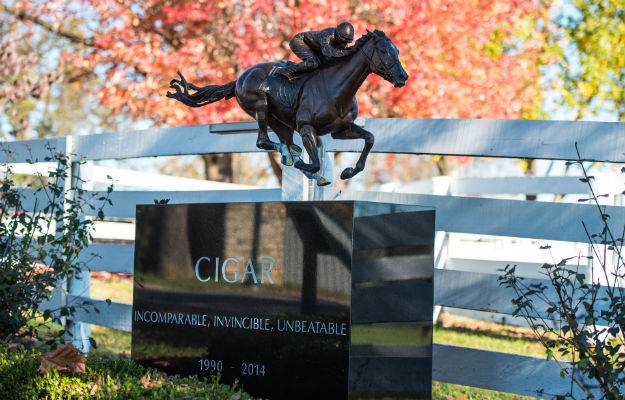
x=42 y=234
x=580 y=320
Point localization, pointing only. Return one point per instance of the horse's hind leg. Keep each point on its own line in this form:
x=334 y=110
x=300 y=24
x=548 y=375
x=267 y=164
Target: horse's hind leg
x=307 y=132
x=285 y=134
x=261 y=116
x=356 y=132
x=286 y=147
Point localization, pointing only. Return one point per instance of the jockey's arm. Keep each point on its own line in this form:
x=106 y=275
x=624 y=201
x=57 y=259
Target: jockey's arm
x=325 y=42
x=331 y=52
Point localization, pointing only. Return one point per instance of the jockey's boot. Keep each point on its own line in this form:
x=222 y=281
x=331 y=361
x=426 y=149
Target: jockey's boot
x=284 y=71
x=292 y=71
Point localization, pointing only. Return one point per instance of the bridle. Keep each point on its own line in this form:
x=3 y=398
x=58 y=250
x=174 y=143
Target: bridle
x=386 y=71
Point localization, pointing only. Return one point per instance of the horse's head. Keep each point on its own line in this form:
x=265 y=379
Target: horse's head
x=383 y=57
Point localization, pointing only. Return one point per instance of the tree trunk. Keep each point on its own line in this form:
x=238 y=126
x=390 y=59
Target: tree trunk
x=447 y=165
x=276 y=167
x=218 y=167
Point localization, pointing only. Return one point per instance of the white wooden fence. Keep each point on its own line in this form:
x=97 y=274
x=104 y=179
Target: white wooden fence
x=463 y=281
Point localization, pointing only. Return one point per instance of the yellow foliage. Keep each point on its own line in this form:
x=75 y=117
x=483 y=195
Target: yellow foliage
x=523 y=164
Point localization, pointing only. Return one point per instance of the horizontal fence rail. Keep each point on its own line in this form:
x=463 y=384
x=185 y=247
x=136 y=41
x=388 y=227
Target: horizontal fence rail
x=548 y=221
x=33 y=150
x=597 y=141
x=493 y=370
x=458 y=212
x=124 y=203
x=490 y=138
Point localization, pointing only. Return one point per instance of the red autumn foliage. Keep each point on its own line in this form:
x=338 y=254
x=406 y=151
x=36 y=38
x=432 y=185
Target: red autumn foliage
x=465 y=58
x=451 y=49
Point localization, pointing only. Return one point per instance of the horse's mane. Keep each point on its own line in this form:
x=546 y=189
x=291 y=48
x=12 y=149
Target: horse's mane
x=359 y=44
x=368 y=36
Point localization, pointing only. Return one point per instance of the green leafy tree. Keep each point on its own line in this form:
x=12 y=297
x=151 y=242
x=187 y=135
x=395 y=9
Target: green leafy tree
x=593 y=37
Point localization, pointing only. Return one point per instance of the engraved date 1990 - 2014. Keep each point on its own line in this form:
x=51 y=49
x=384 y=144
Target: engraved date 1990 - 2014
x=218 y=366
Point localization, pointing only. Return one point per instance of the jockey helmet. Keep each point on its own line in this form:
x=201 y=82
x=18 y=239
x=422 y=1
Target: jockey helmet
x=345 y=32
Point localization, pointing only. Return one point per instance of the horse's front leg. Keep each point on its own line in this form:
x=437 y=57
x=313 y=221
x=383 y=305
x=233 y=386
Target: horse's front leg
x=356 y=132
x=309 y=139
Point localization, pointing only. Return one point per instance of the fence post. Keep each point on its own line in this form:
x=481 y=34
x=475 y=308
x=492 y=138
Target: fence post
x=294 y=185
x=62 y=182
x=327 y=171
x=297 y=187
x=441 y=185
x=78 y=333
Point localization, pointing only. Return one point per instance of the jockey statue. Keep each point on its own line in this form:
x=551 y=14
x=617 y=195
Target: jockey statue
x=314 y=47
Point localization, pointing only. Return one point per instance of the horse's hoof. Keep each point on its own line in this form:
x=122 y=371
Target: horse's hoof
x=323 y=182
x=311 y=168
x=264 y=145
x=295 y=150
x=287 y=160
x=348 y=173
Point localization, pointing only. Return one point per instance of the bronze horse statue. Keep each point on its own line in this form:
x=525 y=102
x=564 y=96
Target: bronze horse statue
x=317 y=103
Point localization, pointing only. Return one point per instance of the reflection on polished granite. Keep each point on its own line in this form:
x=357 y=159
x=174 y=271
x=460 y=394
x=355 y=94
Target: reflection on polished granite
x=294 y=300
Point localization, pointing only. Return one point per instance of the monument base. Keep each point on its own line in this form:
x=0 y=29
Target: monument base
x=302 y=300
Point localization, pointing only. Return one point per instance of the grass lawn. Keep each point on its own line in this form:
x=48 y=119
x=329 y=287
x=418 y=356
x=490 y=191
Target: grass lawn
x=453 y=330
x=111 y=342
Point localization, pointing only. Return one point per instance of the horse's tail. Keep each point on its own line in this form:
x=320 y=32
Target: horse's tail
x=203 y=95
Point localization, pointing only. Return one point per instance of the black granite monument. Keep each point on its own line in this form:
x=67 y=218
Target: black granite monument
x=306 y=300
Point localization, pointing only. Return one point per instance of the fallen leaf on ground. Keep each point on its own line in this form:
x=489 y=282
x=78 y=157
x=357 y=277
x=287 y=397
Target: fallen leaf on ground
x=65 y=358
x=94 y=387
